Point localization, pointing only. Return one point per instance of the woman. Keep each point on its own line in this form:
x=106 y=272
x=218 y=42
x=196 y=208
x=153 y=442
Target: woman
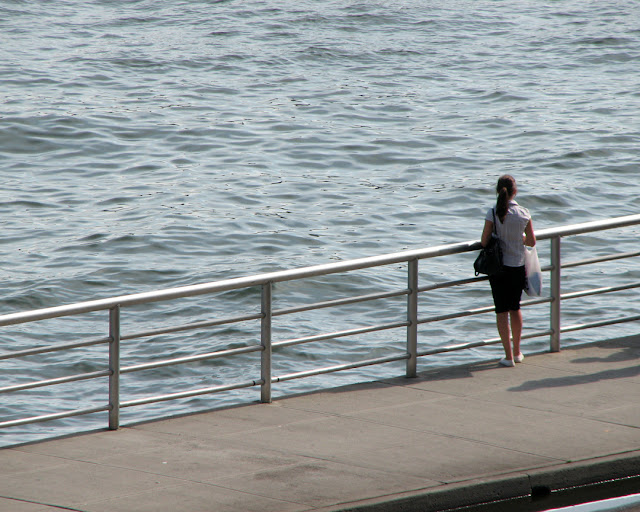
x=515 y=230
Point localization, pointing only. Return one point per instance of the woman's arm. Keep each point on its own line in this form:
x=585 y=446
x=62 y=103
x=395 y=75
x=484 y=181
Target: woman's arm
x=486 y=232
x=529 y=235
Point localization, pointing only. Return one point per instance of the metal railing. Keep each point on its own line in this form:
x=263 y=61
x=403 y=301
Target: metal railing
x=115 y=305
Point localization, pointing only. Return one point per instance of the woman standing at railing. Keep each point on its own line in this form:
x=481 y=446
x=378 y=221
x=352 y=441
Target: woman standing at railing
x=515 y=230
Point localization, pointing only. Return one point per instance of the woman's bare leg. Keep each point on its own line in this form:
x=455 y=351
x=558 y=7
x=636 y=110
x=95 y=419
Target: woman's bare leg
x=516 y=330
x=502 y=320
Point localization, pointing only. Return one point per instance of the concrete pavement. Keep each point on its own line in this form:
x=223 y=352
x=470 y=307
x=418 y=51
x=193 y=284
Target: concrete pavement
x=451 y=437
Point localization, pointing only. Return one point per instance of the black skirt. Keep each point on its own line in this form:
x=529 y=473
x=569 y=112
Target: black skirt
x=506 y=288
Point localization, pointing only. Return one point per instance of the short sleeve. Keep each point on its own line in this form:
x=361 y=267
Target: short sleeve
x=489 y=215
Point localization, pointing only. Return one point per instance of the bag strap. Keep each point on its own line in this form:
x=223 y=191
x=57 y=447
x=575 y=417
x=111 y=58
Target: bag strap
x=493 y=210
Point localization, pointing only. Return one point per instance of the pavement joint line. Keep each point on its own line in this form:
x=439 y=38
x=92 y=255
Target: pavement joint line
x=33 y=502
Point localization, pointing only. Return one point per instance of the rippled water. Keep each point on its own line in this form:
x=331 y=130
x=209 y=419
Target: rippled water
x=150 y=144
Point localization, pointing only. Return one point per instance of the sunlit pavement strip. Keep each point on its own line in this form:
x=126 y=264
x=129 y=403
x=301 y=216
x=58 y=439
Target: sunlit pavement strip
x=450 y=437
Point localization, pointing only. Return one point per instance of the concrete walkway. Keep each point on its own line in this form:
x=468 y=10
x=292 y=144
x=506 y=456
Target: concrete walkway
x=448 y=438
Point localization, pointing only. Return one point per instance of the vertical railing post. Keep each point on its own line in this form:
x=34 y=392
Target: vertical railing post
x=555 y=295
x=412 y=318
x=114 y=368
x=265 y=341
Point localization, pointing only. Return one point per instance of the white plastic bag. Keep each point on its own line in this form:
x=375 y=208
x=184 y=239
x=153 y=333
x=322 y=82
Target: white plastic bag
x=533 y=284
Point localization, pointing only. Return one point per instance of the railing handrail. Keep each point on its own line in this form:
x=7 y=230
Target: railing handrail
x=291 y=274
x=266 y=313
x=588 y=227
x=234 y=283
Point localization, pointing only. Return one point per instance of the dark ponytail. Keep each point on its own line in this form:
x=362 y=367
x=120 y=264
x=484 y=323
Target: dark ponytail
x=506 y=188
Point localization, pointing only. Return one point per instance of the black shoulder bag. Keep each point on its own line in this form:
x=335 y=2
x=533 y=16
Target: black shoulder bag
x=489 y=261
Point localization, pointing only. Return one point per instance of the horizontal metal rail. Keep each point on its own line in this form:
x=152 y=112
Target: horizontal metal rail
x=341 y=367
x=190 y=394
x=58 y=380
x=191 y=326
x=588 y=227
x=340 y=302
x=191 y=359
x=602 y=323
x=478 y=311
x=339 y=334
x=246 y=318
x=53 y=348
x=450 y=284
x=599 y=291
x=265 y=281
x=601 y=259
x=476 y=344
x=51 y=417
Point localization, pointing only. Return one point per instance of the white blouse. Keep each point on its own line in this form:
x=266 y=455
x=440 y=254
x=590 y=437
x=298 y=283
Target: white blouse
x=510 y=233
